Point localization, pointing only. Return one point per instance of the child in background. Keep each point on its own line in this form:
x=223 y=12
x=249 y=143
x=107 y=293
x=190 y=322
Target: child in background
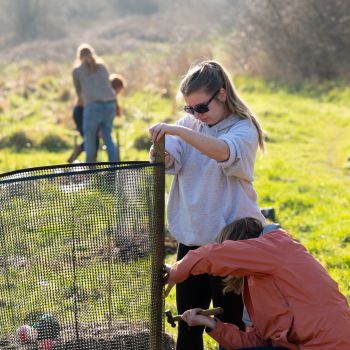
x=290 y=298
x=118 y=83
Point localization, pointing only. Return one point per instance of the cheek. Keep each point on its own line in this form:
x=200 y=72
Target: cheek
x=219 y=108
x=215 y=110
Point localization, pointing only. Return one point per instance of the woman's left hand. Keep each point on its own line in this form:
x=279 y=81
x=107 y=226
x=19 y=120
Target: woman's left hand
x=193 y=318
x=167 y=280
x=158 y=130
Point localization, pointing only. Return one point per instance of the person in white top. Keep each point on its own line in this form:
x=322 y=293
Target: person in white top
x=211 y=153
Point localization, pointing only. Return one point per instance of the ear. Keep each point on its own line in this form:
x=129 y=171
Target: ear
x=222 y=95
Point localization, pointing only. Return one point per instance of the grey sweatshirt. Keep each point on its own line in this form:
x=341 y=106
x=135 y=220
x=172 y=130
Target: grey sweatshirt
x=206 y=195
x=93 y=86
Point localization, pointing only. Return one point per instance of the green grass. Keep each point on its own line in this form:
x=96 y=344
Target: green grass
x=304 y=173
x=35 y=234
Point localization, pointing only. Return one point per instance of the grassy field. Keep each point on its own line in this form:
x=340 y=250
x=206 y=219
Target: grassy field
x=304 y=173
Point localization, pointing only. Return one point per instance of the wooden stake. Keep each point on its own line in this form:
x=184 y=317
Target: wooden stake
x=159 y=150
x=157 y=302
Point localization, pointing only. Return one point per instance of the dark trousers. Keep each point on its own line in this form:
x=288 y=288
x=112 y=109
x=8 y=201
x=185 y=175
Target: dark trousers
x=197 y=292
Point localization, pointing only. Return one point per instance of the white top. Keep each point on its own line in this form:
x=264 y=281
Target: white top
x=206 y=195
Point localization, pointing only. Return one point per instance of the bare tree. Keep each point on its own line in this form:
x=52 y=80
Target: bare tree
x=295 y=39
x=30 y=19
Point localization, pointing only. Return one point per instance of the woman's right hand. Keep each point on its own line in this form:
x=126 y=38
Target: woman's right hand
x=193 y=318
x=167 y=280
x=157 y=131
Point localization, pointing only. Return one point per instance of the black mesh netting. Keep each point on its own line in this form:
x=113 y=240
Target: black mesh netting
x=81 y=250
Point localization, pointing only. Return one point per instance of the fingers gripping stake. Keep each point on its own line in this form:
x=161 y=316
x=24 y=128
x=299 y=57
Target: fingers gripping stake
x=210 y=312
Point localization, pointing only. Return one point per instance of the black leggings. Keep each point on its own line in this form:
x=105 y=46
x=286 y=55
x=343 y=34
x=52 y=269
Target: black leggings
x=198 y=291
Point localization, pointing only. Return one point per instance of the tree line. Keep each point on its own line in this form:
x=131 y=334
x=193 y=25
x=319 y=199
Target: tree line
x=289 y=39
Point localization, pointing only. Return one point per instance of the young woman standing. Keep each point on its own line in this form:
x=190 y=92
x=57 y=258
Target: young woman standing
x=211 y=152
x=95 y=93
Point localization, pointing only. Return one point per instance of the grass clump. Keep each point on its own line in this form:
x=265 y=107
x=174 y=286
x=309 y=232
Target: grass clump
x=18 y=141
x=142 y=142
x=54 y=143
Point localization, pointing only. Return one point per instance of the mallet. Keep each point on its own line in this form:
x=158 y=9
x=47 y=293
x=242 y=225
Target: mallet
x=210 y=312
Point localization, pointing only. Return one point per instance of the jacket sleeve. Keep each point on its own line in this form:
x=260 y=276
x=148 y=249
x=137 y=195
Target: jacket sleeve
x=231 y=338
x=242 y=141
x=259 y=256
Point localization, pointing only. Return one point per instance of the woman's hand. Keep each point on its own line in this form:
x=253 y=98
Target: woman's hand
x=158 y=130
x=167 y=280
x=193 y=318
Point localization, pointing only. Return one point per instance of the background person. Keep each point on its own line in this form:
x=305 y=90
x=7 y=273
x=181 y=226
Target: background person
x=77 y=114
x=289 y=296
x=93 y=88
x=211 y=152
x=118 y=83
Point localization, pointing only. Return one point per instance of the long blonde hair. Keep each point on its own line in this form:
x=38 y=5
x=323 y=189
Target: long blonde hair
x=210 y=76
x=240 y=229
x=86 y=49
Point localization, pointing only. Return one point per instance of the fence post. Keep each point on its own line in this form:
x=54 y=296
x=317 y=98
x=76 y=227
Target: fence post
x=156 y=321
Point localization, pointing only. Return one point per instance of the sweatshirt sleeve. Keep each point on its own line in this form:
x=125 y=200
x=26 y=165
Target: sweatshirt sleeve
x=259 y=256
x=242 y=141
x=231 y=338
x=176 y=147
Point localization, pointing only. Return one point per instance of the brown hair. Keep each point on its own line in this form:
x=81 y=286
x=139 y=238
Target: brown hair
x=117 y=81
x=240 y=229
x=211 y=76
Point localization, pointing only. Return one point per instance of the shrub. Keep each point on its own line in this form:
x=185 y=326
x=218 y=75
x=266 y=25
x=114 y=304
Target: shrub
x=18 y=140
x=142 y=143
x=54 y=143
x=292 y=39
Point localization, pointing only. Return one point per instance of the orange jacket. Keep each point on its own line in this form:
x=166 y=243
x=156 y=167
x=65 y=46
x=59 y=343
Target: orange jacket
x=290 y=298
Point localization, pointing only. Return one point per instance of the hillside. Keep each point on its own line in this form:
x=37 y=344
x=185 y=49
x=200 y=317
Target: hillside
x=48 y=31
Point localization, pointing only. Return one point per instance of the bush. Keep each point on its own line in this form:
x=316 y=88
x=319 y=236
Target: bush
x=18 y=140
x=142 y=142
x=54 y=143
x=291 y=39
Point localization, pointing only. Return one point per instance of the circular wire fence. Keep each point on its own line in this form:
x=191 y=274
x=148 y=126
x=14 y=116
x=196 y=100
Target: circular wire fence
x=81 y=252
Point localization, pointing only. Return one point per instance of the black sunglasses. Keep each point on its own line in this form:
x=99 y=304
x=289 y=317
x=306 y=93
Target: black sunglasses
x=201 y=108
